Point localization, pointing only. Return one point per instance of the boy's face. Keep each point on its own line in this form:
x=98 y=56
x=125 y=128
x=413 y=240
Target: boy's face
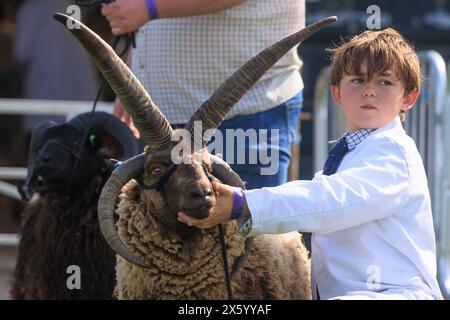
x=371 y=104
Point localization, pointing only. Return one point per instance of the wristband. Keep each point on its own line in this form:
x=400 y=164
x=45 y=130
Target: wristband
x=238 y=203
x=152 y=9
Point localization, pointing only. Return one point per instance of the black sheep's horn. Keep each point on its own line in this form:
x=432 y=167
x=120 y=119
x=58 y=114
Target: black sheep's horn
x=105 y=123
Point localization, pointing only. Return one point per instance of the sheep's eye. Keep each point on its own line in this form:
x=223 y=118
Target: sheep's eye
x=156 y=172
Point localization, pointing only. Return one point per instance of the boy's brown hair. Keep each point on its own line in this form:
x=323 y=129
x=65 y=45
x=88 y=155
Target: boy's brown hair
x=383 y=50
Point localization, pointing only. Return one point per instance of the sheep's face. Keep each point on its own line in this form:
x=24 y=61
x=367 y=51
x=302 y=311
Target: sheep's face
x=187 y=188
x=56 y=157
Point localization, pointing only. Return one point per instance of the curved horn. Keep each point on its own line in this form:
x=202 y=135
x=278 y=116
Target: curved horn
x=213 y=111
x=222 y=171
x=107 y=204
x=102 y=122
x=154 y=128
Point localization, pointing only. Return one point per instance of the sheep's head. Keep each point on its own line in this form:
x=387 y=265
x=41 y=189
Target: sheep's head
x=163 y=179
x=61 y=162
x=157 y=133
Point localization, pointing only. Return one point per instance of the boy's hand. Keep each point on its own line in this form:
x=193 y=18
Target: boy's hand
x=218 y=214
x=125 y=16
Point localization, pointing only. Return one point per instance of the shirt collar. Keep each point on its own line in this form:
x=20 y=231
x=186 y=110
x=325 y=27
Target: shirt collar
x=362 y=134
x=355 y=138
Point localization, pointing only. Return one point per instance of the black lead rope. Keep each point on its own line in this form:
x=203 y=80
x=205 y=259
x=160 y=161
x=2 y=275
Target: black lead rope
x=225 y=262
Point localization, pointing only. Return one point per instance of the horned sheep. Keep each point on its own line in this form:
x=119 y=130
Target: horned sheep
x=158 y=256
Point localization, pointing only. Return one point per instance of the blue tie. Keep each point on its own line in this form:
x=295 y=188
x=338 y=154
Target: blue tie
x=335 y=157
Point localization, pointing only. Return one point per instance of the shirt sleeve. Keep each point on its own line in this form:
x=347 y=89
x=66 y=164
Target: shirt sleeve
x=372 y=185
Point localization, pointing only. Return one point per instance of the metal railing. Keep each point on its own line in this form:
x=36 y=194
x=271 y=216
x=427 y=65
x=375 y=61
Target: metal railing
x=428 y=123
x=9 y=239
x=68 y=109
x=50 y=107
x=328 y=122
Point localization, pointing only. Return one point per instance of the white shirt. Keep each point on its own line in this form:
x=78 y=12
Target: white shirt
x=182 y=61
x=372 y=221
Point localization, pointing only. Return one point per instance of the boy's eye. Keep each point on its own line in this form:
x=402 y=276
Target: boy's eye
x=385 y=82
x=357 y=80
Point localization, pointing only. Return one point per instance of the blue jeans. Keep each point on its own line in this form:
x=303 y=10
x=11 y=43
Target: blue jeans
x=264 y=161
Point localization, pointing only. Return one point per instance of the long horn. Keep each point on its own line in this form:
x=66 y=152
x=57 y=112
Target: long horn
x=128 y=170
x=106 y=123
x=213 y=111
x=154 y=128
x=222 y=171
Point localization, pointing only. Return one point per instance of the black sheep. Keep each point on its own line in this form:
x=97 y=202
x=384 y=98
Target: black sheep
x=68 y=166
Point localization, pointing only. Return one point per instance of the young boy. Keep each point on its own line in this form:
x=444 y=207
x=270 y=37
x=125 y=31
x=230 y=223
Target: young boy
x=371 y=220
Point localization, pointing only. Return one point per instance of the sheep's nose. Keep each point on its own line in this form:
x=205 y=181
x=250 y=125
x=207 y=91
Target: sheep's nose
x=198 y=201
x=199 y=194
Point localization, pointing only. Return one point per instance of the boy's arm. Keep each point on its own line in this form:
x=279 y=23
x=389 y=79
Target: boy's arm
x=375 y=185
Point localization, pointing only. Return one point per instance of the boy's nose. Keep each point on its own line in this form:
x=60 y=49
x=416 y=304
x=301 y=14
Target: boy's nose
x=369 y=91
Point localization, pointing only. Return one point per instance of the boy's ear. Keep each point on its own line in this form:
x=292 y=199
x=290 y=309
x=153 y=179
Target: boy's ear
x=409 y=100
x=336 y=94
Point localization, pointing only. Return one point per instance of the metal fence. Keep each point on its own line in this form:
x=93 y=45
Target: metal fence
x=428 y=123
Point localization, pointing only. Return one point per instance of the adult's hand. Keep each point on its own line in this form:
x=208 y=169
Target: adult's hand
x=129 y=15
x=125 y=16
